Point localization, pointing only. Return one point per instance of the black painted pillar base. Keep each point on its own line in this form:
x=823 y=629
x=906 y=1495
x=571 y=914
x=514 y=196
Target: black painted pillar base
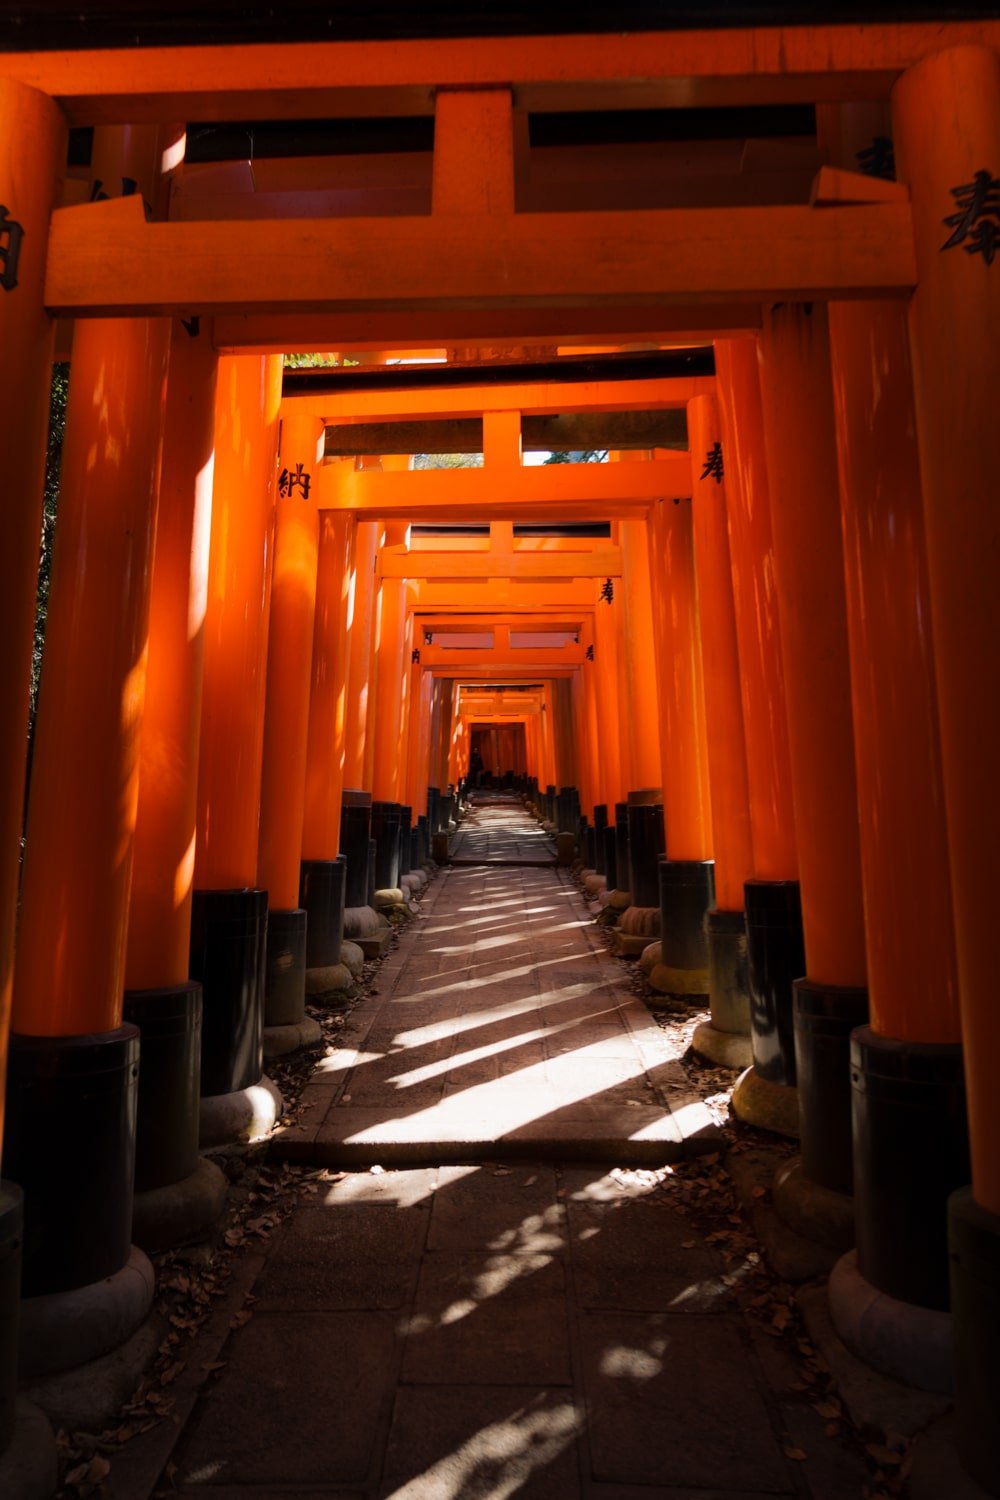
x=355 y=836
x=620 y=875
x=285 y=968
x=725 y=1038
x=322 y=892
x=228 y=940
x=600 y=842
x=646 y=844
x=386 y=825
x=686 y=891
x=824 y=1017
x=69 y=1144
x=911 y=1152
x=974 y=1242
x=169 y=1022
x=776 y=953
x=11 y=1232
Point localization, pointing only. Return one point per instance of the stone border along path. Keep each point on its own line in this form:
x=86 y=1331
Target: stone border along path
x=503 y=1029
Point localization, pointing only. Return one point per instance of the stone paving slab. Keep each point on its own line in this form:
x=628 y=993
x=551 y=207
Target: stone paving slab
x=503 y=1031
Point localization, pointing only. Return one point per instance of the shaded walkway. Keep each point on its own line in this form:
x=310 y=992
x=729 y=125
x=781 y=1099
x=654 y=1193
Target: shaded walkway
x=499 y=831
x=476 y=1331
x=503 y=1031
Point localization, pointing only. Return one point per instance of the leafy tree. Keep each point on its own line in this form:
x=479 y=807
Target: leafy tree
x=448 y=461
x=579 y=456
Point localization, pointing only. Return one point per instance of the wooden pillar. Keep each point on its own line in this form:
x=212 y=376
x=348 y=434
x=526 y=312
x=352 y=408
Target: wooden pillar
x=606 y=689
x=229 y=916
x=389 y=686
x=32 y=152
x=643 y=720
x=946 y=112
x=329 y=720
x=726 y=1038
x=361 y=635
x=771 y=899
x=69 y=977
x=294 y=920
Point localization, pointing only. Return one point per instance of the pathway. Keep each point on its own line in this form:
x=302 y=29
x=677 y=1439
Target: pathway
x=503 y=1030
x=479 y=1330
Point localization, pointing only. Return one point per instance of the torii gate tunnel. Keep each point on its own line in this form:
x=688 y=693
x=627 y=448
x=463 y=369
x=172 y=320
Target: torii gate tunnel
x=739 y=287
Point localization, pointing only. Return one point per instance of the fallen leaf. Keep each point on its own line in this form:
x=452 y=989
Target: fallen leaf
x=795 y=1453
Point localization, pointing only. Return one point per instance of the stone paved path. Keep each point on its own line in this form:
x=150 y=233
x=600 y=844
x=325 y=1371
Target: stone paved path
x=503 y=1030
x=499 y=833
x=479 y=1331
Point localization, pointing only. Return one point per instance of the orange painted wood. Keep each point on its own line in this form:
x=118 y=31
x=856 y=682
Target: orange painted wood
x=641 y=677
x=729 y=786
x=540 y=566
x=946 y=114
x=683 y=771
x=82 y=812
x=272 y=333
x=772 y=818
x=32 y=150
x=835 y=185
x=537 y=493
x=390 y=645
x=232 y=725
x=797 y=401
x=159 y=923
x=754 y=254
x=289 y=665
x=360 y=628
x=473 y=152
x=535 y=398
x=328 y=707
x=301 y=80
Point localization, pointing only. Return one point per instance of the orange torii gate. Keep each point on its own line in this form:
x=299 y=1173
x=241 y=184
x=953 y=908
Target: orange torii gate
x=908 y=270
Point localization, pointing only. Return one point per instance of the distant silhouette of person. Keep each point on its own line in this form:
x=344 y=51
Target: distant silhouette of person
x=475 y=768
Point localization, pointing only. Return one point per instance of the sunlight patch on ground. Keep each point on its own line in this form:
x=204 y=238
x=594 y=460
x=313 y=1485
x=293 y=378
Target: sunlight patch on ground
x=499 y=1460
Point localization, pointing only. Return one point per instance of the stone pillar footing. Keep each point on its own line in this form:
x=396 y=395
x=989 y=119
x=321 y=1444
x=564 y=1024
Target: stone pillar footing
x=815 y=1212
x=974 y=1243
x=240 y=1118
x=368 y=928
x=61 y=1330
x=725 y=1049
x=280 y=1041
x=910 y=1343
x=163 y=1217
x=769 y=1106
x=638 y=926
x=610 y=913
x=29 y=1467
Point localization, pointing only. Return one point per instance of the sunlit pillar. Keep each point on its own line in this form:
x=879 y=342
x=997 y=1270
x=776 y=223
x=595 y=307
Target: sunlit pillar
x=685 y=874
x=360 y=626
x=606 y=690
x=388 y=718
x=643 y=725
x=726 y=1038
x=229 y=915
x=32 y=152
x=293 y=924
x=159 y=997
x=946 y=113
x=771 y=900
x=74 y=1064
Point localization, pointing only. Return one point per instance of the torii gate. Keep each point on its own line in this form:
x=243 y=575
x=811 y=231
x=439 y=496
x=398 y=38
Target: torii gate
x=905 y=267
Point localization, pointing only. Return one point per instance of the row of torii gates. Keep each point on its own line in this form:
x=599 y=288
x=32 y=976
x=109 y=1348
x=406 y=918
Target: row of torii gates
x=788 y=621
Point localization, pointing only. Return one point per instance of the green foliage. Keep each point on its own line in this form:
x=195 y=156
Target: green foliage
x=317 y=362
x=448 y=461
x=579 y=456
x=53 y=463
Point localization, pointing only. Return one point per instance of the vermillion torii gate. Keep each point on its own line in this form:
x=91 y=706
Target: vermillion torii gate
x=832 y=452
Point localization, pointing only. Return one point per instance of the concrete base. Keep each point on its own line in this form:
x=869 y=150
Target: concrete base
x=239 y=1119
x=910 y=1343
x=166 y=1216
x=353 y=956
x=617 y=903
x=769 y=1106
x=637 y=927
x=64 y=1329
x=29 y=1469
x=279 y=1041
x=671 y=981
x=726 y=1049
x=331 y=985
x=367 y=928
x=650 y=957
x=594 y=885
x=815 y=1212
x=90 y=1397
